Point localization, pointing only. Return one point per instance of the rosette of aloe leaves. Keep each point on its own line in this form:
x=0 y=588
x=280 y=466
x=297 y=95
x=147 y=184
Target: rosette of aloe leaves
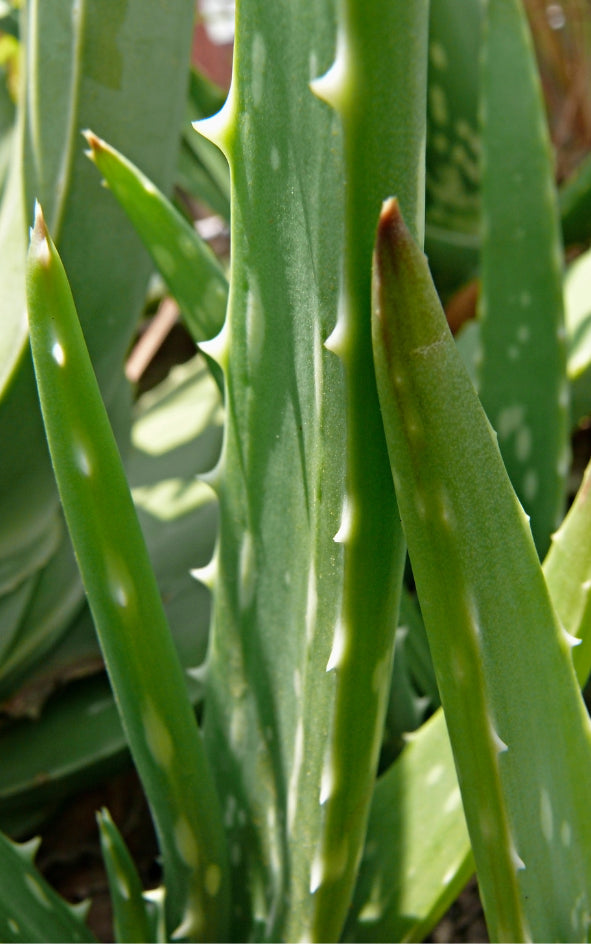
x=323 y=796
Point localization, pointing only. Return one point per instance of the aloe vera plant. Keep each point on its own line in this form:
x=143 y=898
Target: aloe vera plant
x=301 y=809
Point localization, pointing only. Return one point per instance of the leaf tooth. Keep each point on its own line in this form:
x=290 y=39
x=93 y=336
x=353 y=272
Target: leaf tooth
x=27 y=851
x=333 y=86
x=213 y=478
x=516 y=859
x=218 y=347
x=80 y=909
x=220 y=128
x=337 y=341
x=340 y=647
x=207 y=575
x=570 y=640
x=329 y=780
x=347 y=522
x=199 y=673
x=500 y=747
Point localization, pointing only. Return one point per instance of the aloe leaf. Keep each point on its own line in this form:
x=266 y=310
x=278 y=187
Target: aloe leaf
x=453 y=142
x=176 y=433
x=12 y=608
x=268 y=695
x=30 y=910
x=417 y=856
x=502 y=661
x=56 y=598
x=522 y=376
x=87 y=85
x=364 y=93
x=143 y=666
x=130 y=916
x=295 y=791
x=184 y=260
x=567 y=569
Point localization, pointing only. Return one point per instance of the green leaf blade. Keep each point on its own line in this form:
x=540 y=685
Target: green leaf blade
x=522 y=375
x=501 y=659
x=30 y=910
x=142 y=663
x=377 y=86
x=184 y=260
x=130 y=918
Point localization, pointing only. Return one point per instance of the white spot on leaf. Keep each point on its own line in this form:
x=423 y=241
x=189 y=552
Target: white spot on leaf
x=186 y=843
x=296 y=767
x=566 y=833
x=213 y=879
x=58 y=354
x=546 y=815
x=453 y=801
x=247 y=571
x=530 y=484
x=158 y=737
x=434 y=775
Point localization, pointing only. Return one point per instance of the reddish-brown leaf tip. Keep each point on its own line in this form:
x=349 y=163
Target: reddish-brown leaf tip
x=94 y=142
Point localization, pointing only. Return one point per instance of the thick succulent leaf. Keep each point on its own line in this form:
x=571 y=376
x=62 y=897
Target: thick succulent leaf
x=184 y=260
x=380 y=70
x=12 y=608
x=131 y=921
x=295 y=789
x=143 y=666
x=522 y=375
x=417 y=856
x=30 y=910
x=518 y=726
x=276 y=591
x=56 y=598
x=567 y=569
x=453 y=142
x=177 y=433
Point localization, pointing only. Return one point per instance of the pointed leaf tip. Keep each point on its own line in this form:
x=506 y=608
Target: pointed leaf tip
x=392 y=230
x=40 y=237
x=94 y=142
